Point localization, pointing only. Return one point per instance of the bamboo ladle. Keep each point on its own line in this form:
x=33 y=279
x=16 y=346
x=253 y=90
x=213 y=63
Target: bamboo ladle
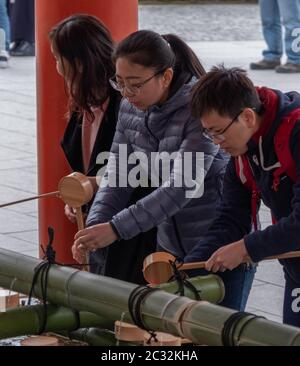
x=157 y=268
x=76 y=182
x=75 y=190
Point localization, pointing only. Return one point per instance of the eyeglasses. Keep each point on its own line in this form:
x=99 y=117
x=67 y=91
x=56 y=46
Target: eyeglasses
x=131 y=89
x=220 y=135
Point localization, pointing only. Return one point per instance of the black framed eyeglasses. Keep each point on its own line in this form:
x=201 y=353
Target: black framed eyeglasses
x=132 y=89
x=220 y=135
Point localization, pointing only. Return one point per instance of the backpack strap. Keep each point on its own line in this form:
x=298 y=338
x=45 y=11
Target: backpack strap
x=282 y=148
x=283 y=152
x=244 y=172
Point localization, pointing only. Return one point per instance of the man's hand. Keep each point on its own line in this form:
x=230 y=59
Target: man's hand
x=228 y=257
x=91 y=239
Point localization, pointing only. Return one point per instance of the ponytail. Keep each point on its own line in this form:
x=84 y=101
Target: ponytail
x=150 y=49
x=185 y=58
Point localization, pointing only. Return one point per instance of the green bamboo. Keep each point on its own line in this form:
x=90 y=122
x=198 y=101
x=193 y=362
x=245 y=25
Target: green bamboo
x=256 y=332
x=96 y=337
x=210 y=288
x=28 y=320
x=201 y=322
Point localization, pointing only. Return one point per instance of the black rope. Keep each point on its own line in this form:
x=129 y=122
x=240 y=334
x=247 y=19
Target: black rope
x=42 y=269
x=246 y=323
x=136 y=298
x=229 y=327
x=182 y=281
x=77 y=320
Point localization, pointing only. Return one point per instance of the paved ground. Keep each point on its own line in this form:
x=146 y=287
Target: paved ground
x=214 y=22
x=218 y=34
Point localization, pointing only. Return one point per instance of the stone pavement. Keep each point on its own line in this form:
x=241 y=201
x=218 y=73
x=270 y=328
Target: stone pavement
x=229 y=34
x=214 y=22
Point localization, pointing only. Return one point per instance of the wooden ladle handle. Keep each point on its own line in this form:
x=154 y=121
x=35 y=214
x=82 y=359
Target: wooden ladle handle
x=284 y=255
x=80 y=224
x=44 y=195
x=192 y=265
x=79 y=218
x=196 y=265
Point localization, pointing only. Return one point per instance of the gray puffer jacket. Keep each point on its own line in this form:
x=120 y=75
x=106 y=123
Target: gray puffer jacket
x=181 y=219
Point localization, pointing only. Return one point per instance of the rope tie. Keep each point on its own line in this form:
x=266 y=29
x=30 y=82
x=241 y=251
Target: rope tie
x=181 y=278
x=136 y=298
x=42 y=270
x=229 y=327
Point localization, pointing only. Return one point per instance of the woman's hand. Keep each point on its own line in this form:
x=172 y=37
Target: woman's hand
x=70 y=213
x=91 y=239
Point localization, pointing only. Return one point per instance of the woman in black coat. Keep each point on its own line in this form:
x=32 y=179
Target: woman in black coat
x=82 y=47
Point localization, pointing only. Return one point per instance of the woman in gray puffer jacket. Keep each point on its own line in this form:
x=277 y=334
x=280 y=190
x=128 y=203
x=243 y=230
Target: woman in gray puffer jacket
x=155 y=75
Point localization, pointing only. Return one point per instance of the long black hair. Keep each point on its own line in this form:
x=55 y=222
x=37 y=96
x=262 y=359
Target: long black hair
x=85 y=42
x=150 y=49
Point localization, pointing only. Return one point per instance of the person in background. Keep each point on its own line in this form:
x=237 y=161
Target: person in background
x=4 y=34
x=82 y=47
x=22 y=28
x=276 y=14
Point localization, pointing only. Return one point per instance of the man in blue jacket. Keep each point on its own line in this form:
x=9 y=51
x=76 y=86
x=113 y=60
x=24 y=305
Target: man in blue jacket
x=260 y=129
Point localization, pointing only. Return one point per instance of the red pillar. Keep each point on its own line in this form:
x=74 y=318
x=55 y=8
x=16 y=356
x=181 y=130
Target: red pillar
x=120 y=16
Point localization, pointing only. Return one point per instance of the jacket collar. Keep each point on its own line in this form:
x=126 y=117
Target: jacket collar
x=270 y=103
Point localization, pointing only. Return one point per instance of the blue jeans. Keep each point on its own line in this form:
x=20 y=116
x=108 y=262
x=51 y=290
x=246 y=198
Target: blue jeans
x=4 y=24
x=272 y=12
x=291 y=304
x=238 y=283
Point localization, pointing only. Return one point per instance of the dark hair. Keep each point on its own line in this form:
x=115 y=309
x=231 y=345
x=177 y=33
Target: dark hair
x=85 y=42
x=150 y=49
x=226 y=91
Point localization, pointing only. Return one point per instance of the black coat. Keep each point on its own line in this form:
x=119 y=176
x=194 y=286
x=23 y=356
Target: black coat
x=122 y=259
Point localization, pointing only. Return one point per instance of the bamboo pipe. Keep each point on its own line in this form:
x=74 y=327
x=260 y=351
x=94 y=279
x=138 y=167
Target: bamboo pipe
x=199 y=321
x=27 y=320
x=210 y=288
x=157 y=268
x=16 y=273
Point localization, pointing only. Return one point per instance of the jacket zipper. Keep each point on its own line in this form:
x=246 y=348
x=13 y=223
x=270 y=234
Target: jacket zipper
x=148 y=128
x=178 y=238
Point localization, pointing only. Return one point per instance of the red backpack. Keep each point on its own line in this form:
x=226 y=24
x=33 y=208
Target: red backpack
x=282 y=150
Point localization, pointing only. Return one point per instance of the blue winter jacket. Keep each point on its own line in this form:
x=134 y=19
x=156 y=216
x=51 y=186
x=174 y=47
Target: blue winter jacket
x=181 y=220
x=233 y=220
